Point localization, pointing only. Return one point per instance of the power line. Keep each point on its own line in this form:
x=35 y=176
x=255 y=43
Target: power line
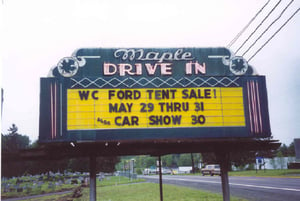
x=242 y=31
x=274 y=34
x=258 y=26
x=268 y=27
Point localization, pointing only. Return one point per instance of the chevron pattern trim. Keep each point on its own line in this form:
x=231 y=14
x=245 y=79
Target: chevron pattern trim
x=155 y=82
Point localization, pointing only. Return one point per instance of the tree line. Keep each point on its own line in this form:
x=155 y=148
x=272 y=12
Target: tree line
x=239 y=159
x=168 y=161
x=13 y=142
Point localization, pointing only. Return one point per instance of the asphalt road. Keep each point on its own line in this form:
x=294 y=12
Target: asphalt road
x=251 y=188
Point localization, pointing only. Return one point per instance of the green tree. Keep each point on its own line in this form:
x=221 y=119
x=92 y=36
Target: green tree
x=185 y=160
x=291 y=150
x=287 y=150
x=281 y=159
x=103 y=164
x=150 y=161
x=284 y=150
x=167 y=161
x=13 y=129
x=13 y=142
x=238 y=159
x=242 y=158
x=209 y=158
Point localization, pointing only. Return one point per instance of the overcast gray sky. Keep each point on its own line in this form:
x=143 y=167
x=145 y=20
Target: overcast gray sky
x=36 y=34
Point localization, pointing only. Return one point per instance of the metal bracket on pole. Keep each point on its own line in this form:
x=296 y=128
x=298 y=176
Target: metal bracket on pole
x=93 y=196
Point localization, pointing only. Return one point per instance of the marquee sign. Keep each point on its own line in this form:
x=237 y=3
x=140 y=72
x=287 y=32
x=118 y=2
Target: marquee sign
x=139 y=94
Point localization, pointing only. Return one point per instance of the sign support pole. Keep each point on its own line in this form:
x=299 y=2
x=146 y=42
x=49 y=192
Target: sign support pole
x=224 y=163
x=93 y=178
x=160 y=179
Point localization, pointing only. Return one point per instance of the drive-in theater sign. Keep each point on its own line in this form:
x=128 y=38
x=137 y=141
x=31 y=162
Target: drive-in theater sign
x=136 y=94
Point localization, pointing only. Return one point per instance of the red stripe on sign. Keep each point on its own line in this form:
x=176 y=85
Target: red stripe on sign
x=255 y=116
x=51 y=108
x=259 y=109
x=55 y=106
x=250 y=107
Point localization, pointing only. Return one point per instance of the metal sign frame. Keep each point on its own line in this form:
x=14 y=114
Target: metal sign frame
x=137 y=68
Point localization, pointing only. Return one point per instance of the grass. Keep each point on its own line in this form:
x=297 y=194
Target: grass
x=37 y=191
x=110 y=181
x=63 y=197
x=118 y=189
x=287 y=173
x=150 y=192
x=107 y=181
x=111 y=190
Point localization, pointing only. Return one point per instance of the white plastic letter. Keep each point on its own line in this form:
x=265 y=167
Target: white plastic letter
x=166 y=69
x=109 y=69
x=124 y=69
x=151 y=69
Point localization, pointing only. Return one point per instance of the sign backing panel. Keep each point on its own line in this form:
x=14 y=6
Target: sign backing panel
x=152 y=93
x=70 y=114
